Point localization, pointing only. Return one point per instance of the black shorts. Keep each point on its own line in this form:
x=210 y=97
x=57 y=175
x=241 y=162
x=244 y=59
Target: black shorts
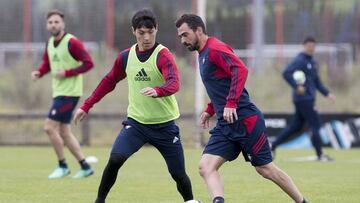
x=247 y=136
x=63 y=108
x=165 y=137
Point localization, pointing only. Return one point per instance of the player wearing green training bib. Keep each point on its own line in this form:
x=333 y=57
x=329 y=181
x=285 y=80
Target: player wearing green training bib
x=60 y=59
x=152 y=79
x=148 y=110
x=66 y=58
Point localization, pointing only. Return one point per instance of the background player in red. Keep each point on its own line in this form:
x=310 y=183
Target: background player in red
x=240 y=124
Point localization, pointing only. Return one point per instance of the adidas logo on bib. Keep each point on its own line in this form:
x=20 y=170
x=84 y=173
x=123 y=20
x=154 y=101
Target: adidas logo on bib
x=142 y=76
x=56 y=58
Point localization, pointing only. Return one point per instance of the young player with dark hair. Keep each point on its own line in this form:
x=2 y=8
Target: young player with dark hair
x=153 y=80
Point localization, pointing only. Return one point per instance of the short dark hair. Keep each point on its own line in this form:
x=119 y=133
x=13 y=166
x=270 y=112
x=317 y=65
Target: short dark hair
x=309 y=39
x=55 y=12
x=144 y=18
x=193 y=21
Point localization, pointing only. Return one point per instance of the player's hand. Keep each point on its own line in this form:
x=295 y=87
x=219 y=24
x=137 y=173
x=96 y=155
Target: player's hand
x=230 y=114
x=149 y=92
x=300 y=90
x=205 y=120
x=35 y=75
x=60 y=74
x=331 y=97
x=79 y=116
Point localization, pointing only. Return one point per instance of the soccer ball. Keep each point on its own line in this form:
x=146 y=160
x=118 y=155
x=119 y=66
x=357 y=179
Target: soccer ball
x=91 y=159
x=299 y=77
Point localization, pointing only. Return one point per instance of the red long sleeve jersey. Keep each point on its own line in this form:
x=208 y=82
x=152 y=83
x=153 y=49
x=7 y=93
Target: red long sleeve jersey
x=224 y=77
x=165 y=63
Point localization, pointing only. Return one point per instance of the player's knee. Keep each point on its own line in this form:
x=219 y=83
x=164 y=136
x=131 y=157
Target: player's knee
x=64 y=136
x=265 y=172
x=49 y=129
x=67 y=135
x=204 y=170
x=116 y=161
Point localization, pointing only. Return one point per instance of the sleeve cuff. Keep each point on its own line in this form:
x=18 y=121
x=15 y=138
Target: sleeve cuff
x=231 y=104
x=210 y=109
x=85 y=108
x=42 y=73
x=210 y=112
x=68 y=73
x=159 y=92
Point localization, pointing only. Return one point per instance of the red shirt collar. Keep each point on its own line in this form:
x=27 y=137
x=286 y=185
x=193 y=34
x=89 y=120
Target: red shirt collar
x=206 y=44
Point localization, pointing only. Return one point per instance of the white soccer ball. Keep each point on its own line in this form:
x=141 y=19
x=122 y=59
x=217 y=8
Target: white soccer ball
x=299 y=77
x=91 y=159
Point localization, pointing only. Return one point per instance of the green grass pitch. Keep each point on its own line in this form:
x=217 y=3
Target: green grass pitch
x=144 y=178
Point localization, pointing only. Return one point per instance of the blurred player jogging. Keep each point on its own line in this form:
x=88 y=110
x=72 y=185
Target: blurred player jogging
x=66 y=59
x=304 y=97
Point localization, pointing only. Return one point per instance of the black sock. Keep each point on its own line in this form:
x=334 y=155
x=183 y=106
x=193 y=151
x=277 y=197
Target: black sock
x=84 y=165
x=218 y=200
x=62 y=163
x=109 y=176
x=183 y=184
x=304 y=201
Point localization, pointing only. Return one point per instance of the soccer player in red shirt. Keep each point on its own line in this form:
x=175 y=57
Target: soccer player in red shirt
x=240 y=124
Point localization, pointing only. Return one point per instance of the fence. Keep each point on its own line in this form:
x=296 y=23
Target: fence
x=86 y=126
x=340 y=130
